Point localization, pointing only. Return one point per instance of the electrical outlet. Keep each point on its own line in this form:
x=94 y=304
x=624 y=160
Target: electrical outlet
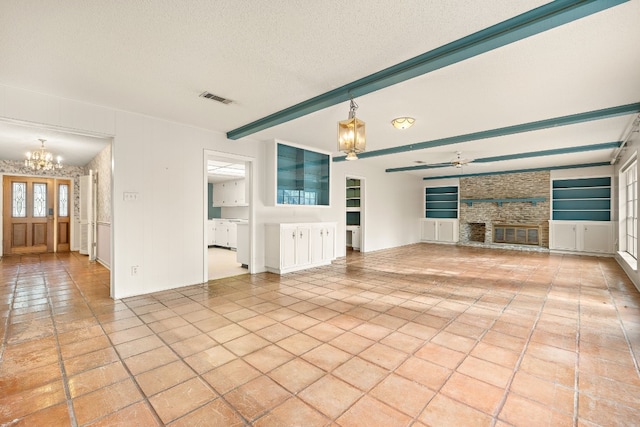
x=130 y=196
x=134 y=270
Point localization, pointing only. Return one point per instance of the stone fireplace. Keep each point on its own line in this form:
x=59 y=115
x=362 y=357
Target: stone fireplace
x=476 y=232
x=515 y=208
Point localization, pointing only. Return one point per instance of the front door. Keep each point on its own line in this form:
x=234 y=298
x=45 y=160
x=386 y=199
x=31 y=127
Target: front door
x=36 y=215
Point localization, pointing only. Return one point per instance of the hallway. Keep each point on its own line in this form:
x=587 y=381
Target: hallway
x=418 y=335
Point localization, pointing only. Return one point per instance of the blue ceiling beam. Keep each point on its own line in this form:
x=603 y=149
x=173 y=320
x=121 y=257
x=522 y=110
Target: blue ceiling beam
x=584 y=165
x=566 y=150
x=533 y=22
x=604 y=113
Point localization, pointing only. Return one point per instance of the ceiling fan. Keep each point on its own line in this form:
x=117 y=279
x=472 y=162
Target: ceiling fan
x=457 y=162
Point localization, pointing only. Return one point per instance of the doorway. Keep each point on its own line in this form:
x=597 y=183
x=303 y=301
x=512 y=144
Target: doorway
x=36 y=212
x=354 y=190
x=227 y=215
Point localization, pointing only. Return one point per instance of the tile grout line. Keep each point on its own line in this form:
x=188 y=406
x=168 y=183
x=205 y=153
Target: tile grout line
x=112 y=345
x=5 y=337
x=180 y=358
x=63 y=371
x=576 y=377
x=516 y=367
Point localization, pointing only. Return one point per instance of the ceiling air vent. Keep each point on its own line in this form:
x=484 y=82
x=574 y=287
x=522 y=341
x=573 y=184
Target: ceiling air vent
x=215 y=98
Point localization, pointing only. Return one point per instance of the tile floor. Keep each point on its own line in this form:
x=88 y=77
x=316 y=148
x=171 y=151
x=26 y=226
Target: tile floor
x=419 y=335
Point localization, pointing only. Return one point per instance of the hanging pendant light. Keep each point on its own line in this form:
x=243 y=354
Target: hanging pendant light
x=42 y=159
x=351 y=135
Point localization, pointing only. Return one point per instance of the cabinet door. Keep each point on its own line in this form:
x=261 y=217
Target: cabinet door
x=563 y=236
x=239 y=193
x=288 y=239
x=317 y=244
x=222 y=233
x=597 y=238
x=303 y=245
x=218 y=197
x=211 y=233
x=355 y=238
x=428 y=231
x=233 y=235
x=228 y=195
x=446 y=231
x=328 y=243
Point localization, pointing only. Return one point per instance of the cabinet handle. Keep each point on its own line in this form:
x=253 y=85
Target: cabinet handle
x=293 y=234
x=301 y=234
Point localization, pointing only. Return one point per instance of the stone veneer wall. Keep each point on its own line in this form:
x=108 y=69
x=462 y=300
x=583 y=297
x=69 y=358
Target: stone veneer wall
x=507 y=186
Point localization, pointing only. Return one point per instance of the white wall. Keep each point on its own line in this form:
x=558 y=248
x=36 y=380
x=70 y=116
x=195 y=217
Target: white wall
x=162 y=231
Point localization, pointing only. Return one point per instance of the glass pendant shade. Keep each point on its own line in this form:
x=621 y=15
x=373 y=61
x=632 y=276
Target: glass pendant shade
x=351 y=135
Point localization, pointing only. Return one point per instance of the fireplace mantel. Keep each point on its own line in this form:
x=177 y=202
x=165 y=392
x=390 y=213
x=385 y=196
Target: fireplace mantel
x=532 y=200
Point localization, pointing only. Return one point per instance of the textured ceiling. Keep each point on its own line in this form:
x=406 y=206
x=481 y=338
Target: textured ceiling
x=155 y=57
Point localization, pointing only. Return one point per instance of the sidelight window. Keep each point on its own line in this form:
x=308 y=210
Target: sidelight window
x=63 y=200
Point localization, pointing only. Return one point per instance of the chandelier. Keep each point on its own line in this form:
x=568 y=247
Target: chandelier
x=351 y=137
x=42 y=160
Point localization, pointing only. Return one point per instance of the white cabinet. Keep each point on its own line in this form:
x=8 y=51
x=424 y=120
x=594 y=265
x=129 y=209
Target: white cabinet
x=439 y=230
x=563 y=236
x=232 y=235
x=211 y=233
x=323 y=243
x=225 y=233
x=230 y=193
x=353 y=236
x=296 y=246
x=581 y=236
x=221 y=232
x=242 y=254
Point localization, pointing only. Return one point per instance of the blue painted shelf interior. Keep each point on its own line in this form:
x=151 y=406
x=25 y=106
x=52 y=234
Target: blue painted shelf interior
x=303 y=176
x=441 y=202
x=586 y=199
x=353 y=201
x=532 y=200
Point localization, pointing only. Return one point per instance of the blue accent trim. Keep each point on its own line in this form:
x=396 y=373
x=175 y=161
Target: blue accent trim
x=604 y=113
x=582 y=182
x=441 y=190
x=567 y=150
x=581 y=193
x=533 y=22
x=432 y=204
x=532 y=200
x=584 y=165
x=441 y=214
x=582 y=205
x=582 y=215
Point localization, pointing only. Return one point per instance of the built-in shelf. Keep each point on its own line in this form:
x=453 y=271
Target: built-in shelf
x=532 y=200
x=353 y=201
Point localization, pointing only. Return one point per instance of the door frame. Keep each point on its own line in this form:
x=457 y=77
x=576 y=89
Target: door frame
x=363 y=202
x=250 y=178
x=55 y=231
